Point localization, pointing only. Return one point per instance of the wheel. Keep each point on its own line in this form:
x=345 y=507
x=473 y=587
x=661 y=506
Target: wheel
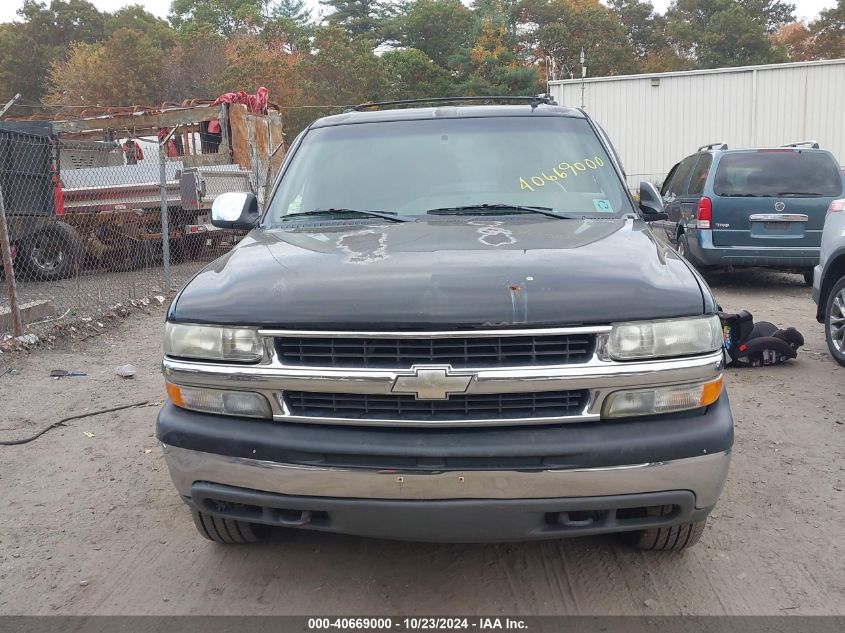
x=808 y=277
x=225 y=531
x=672 y=538
x=53 y=253
x=834 y=321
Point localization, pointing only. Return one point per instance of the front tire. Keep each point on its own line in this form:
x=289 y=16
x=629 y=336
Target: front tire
x=225 y=531
x=672 y=538
x=834 y=321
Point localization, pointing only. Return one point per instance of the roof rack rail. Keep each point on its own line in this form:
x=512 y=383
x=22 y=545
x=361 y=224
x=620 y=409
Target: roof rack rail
x=719 y=146
x=811 y=144
x=533 y=101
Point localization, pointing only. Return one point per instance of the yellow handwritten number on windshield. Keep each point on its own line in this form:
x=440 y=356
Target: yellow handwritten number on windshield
x=561 y=172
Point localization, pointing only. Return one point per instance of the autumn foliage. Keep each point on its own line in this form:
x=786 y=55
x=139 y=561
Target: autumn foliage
x=67 y=54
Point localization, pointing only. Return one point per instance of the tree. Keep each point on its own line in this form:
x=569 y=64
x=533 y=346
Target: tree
x=124 y=70
x=561 y=28
x=253 y=61
x=490 y=66
x=828 y=33
x=294 y=10
x=412 y=75
x=342 y=70
x=291 y=20
x=646 y=33
x=196 y=69
x=714 y=33
x=504 y=12
x=137 y=18
x=440 y=29
x=63 y=22
x=225 y=17
x=22 y=63
x=358 y=18
x=644 y=28
x=28 y=49
x=795 y=41
x=772 y=14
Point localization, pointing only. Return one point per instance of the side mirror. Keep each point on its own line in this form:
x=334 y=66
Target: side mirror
x=651 y=204
x=235 y=210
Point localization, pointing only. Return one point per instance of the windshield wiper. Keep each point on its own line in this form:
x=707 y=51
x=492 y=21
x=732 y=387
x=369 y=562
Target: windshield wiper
x=808 y=194
x=375 y=214
x=474 y=209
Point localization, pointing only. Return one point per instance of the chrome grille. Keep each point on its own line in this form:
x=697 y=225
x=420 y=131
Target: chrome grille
x=457 y=351
x=360 y=406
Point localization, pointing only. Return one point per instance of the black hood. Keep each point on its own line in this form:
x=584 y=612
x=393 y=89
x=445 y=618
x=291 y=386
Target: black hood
x=444 y=272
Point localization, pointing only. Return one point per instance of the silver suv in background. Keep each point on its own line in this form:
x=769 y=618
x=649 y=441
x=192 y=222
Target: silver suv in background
x=829 y=280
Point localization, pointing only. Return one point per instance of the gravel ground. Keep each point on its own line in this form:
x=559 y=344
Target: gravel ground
x=92 y=525
x=92 y=291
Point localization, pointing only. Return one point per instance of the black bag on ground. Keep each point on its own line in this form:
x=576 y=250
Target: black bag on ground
x=750 y=344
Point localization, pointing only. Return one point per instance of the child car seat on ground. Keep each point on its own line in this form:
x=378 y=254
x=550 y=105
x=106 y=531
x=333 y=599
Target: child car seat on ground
x=750 y=344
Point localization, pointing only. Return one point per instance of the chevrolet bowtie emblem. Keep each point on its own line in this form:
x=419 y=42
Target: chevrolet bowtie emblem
x=431 y=383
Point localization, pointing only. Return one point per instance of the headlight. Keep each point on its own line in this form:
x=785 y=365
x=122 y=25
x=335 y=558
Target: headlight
x=241 y=403
x=655 y=400
x=669 y=337
x=208 y=342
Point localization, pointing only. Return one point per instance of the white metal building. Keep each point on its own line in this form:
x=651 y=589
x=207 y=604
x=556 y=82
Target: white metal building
x=655 y=120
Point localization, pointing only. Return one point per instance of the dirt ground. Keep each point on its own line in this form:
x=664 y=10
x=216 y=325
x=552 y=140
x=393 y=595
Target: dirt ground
x=92 y=525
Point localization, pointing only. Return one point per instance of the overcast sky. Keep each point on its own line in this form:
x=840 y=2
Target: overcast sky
x=805 y=8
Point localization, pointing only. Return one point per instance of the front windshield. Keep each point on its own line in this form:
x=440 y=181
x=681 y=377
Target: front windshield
x=412 y=167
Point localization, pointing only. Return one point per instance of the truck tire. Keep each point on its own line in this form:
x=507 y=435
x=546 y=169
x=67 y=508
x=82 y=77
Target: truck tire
x=834 y=321
x=225 y=531
x=55 y=252
x=672 y=538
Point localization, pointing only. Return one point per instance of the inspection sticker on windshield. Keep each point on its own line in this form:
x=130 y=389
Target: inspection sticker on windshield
x=601 y=205
x=561 y=172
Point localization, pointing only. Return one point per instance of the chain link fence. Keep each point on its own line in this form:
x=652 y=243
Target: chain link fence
x=93 y=224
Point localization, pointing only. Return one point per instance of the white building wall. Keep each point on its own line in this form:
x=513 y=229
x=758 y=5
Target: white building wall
x=653 y=127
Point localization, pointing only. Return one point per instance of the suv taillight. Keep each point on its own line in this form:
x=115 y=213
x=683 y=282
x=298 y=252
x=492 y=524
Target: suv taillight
x=705 y=212
x=836 y=205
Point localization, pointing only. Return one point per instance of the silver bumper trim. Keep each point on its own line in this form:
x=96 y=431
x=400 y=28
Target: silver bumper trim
x=704 y=476
x=778 y=217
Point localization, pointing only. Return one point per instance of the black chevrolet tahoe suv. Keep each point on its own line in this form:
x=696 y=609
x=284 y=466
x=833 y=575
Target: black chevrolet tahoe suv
x=449 y=323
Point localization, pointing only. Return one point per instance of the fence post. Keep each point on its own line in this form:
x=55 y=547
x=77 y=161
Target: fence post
x=165 y=219
x=9 y=270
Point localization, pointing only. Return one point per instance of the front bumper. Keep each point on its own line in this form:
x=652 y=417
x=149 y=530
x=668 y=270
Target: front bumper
x=704 y=253
x=449 y=520
x=452 y=484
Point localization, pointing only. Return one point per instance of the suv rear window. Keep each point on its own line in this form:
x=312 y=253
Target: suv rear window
x=777 y=173
x=410 y=167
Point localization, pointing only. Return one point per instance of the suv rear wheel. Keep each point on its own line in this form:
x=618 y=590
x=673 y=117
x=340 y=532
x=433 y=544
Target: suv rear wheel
x=834 y=321
x=226 y=531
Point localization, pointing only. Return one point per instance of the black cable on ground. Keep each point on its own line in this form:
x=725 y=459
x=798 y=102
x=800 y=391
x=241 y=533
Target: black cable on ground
x=26 y=440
